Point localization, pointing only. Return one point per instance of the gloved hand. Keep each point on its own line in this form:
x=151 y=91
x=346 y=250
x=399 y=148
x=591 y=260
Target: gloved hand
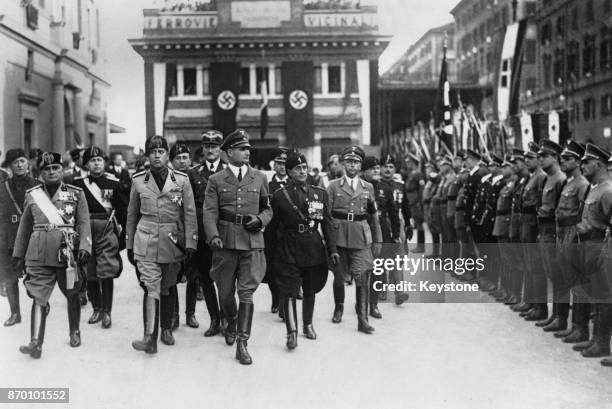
x=335 y=258
x=19 y=265
x=83 y=257
x=130 y=254
x=216 y=243
x=253 y=224
x=189 y=253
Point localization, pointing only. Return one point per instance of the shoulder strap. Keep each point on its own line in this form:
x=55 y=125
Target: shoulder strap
x=295 y=208
x=96 y=192
x=8 y=189
x=47 y=207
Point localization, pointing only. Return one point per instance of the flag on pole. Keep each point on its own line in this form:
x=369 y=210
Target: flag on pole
x=526 y=130
x=443 y=106
x=553 y=126
x=263 y=121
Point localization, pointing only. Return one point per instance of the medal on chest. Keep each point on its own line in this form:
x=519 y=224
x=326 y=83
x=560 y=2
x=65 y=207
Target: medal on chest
x=177 y=199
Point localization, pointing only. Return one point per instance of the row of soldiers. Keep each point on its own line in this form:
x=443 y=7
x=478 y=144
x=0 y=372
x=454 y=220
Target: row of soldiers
x=542 y=218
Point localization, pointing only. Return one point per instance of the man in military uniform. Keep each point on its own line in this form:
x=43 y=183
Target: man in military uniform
x=430 y=210
x=54 y=225
x=279 y=180
x=107 y=204
x=161 y=233
x=334 y=171
x=591 y=237
x=12 y=197
x=477 y=164
x=531 y=201
x=236 y=209
x=567 y=214
x=202 y=261
x=74 y=168
x=300 y=256
x=448 y=231
x=352 y=204
x=412 y=205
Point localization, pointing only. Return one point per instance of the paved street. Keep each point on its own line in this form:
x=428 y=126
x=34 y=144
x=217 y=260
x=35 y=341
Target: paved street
x=422 y=355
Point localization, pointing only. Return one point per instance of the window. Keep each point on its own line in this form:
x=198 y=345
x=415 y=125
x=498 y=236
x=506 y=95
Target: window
x=575 y=113
x=590 y=11
x=588 y=108
x=278 y=81
x=573 y=71
x=32 y=17
x=206 y=81
x=318 y=79
x=588 y=56
x=530 y=51
x=547 y=70
x=262 y=75
x=28 y=133
x=546 y=33
x=189 y=81
x=605 y=53
x=558 y=67
x=560 y=30
x=30 y=66
x=245 y=80
x=335 y=79
x=575 y=19
x=606 y=105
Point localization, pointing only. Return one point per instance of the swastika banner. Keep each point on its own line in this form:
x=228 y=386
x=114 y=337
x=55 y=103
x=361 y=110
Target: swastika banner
x=225 y=87
x=298 y=85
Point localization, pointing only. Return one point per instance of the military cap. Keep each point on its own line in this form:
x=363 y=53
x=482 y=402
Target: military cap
x=496 y=160
x=484 y=160
x=280 y=154
x=212 y=137
x=550 y=147
x=593 y=151
x=460 y=154
x=92 y=152
x=369 y=162
x=75 y=154
x=353 y=152
x=447 y=160
x=517 y=154
x=473 y=154
x=178 y=149
x=295 y=160
x=573 y=148
x=237 y=139
x=155 y=142
x=387 y=160
x=532 y=150
x=12 y=155
x=48 y=159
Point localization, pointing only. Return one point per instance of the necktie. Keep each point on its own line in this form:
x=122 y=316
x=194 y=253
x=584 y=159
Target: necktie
x=239 y=174
x=212 y=168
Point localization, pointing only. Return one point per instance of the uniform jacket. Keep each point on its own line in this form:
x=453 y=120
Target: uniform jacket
x=597 y=208
x=9 y=214
x=472 y=185
x=389 y=213
x=249 y=197
x=531 y=198
x=572 y=199
x=451 y=196
x=355 y=234
x=198 y=177
x=270 y=236
x=302 y=249
x=41 y=247
x=413 y=193
x=154 y=215
x=503 y=211
x=550 y=196
x=517 y=206
x=125 y=180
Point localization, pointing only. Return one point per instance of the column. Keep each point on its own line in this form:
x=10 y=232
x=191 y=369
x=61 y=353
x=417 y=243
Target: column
x=199 y=80
x=271 y=80
x=159 y=78
x=363 y=79
x=324 y=78
x=149 y=99
x=79 y=117
x=180 y=81
x=254 y=86
x=59 y=136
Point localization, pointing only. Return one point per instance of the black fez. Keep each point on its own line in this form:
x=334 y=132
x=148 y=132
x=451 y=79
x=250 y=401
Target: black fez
x=92 y=152
x=295 y=160
x=237 y=139
x=354 y=153
x=369 y=162
x=573 y=148
x=387 y=160
x=75 y=154
x=212 y=137
x=280 y=154
x=155 y=142
x=550 y=147
x=48 y=159
x=35 y=153
x=178 y=149
x=593 y=151
x=14 y=154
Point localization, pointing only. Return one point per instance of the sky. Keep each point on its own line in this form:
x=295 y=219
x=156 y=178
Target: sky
x=120 y=20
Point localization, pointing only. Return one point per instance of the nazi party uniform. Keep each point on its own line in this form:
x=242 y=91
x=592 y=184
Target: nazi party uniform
x=233 y=198
x=107 y=204
x=54 y=225
x=353 y=206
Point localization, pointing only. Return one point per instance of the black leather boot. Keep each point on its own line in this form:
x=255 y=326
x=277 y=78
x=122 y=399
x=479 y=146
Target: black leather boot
x=74 y=318
x=580 y=323
x=210 y=298
x=231 y=315
x=12 y=293
x=339 y=303
x=151 y=320
x=538 y=313
x=374 y=312
x=107 y=301
x=521 y=307
x=38 y=319
x=361 y=308
x=245 y=319
x=307 y=313
x=601 y=333
x=290 y=322
x=95 y=296
x=176 y=320
x=191 y=293
x=550 y=319
x=165 y=314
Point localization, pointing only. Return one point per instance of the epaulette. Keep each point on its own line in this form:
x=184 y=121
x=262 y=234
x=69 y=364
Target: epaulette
x=34 y=187
x=73 y=187
x=142 y=172
x=194 y=167
x=178 y=172
x=318 y=187
x=79 y=177
x=110 y=176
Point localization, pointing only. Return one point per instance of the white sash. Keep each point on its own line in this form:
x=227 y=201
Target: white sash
x=95 y=191
x=47 y=207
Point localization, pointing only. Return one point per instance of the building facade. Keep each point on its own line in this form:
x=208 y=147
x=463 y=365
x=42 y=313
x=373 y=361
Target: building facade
x=316 y=63
x=574 y=48
x=51 y=86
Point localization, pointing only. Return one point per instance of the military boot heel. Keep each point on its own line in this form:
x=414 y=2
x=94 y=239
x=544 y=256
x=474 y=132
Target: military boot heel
x=38 y=320
x=291 y=322
x=245 y=319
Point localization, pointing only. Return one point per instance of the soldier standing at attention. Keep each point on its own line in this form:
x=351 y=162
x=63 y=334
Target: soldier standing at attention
x=412 y=204
x=107 y=204
x=236 y=209
x=202 y=261
x=352 y=204
x=12 y=197
x=300 y=255
x=54 y=220
x=161 y=233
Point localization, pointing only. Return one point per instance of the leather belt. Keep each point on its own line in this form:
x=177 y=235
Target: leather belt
x=51 y=227
x=594 y=235
x=452 y=198
x=546 y=220
x=301 y=228
x=234 y=218
x=351 y=217
x=529 y=210
x=568 y=221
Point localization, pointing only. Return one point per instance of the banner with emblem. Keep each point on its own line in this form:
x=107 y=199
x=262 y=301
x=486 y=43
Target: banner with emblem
x=225 y=89
x=298 y=86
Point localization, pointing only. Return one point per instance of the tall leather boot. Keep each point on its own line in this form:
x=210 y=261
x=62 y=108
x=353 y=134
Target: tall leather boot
x=374 y=312
x=210 y=298
x=601 y=333
x=580 y=323
x=560 y=321
x=12 y=293
x=108 y=286
x=245 y=319
x=166 y=314
x=400 y=296
x=581 y=346
x=38 y=319
x=361 y=307
x=537 y=313
x=231 y=315
x=274 y=291
x=74 y=318
x=420 y=247
x=290 y=322
x=191 y=295
x=176 y=321
x=95 y=296
x=550 y=319
x=339 y=303
x=151 y=320
x=308 y=305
